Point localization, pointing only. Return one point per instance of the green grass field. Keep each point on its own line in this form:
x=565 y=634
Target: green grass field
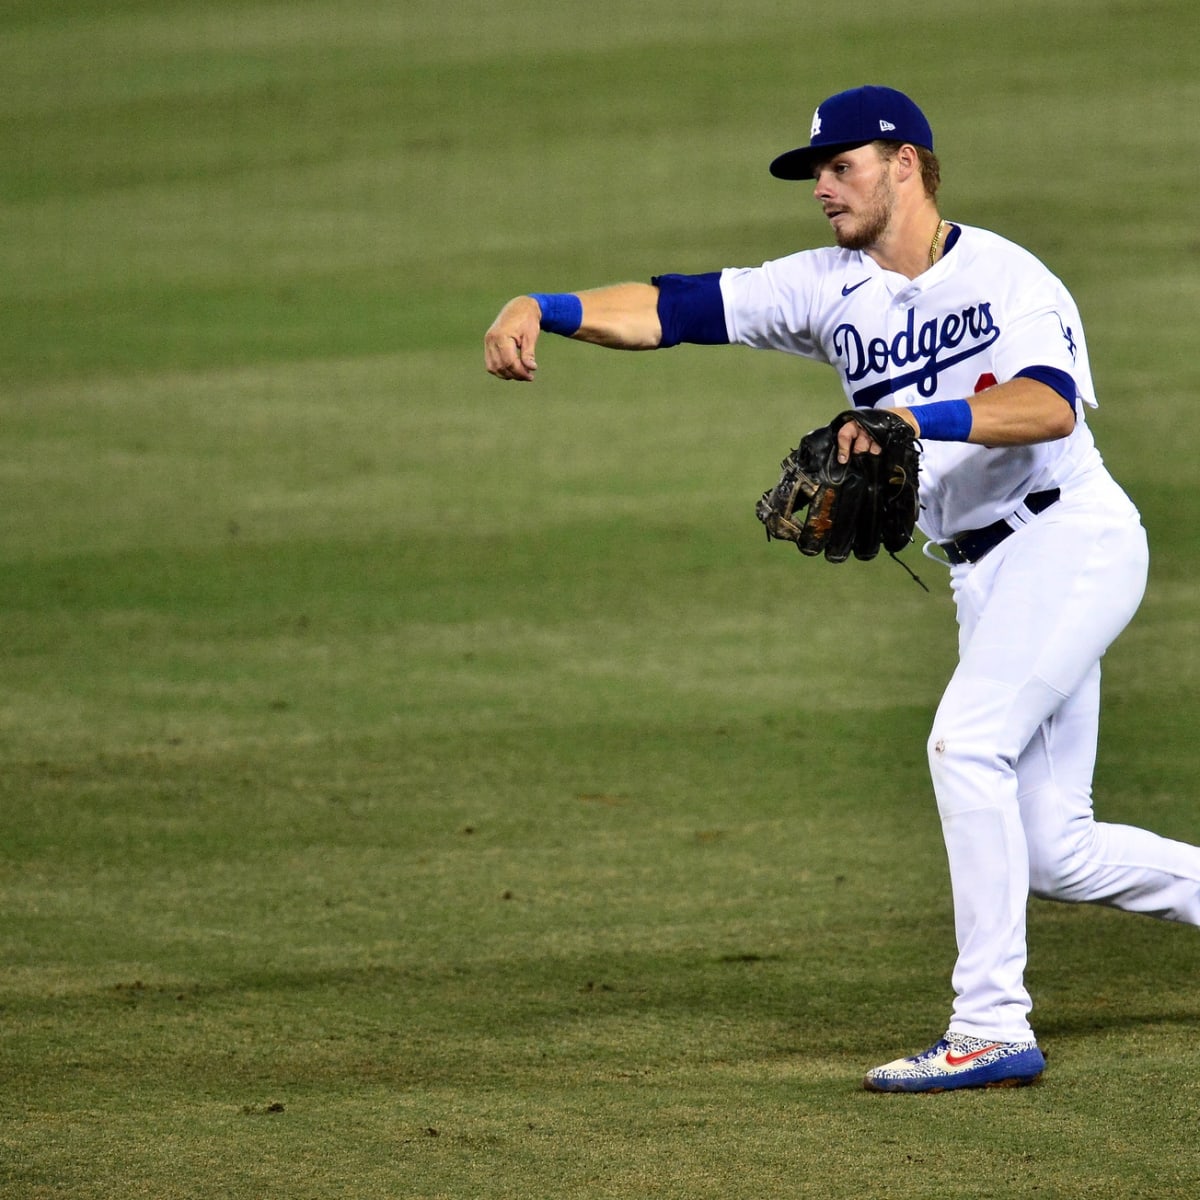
x=415 y=785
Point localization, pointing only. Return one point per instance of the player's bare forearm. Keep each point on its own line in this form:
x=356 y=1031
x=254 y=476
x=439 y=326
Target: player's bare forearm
x=623 y=316
x=1021 y=412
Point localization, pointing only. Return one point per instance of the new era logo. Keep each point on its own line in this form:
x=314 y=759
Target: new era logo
x=886 y=127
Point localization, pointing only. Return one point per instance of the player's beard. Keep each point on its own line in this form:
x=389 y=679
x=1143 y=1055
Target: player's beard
x=875 y=219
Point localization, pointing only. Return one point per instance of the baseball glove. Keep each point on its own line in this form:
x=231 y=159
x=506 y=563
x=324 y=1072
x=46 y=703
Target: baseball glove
x=853 y=507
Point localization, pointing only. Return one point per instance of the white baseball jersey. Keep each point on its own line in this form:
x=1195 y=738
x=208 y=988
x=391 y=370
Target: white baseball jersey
x=986 y=311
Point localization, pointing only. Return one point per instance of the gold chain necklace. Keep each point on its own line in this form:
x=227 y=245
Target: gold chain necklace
x=937 y=241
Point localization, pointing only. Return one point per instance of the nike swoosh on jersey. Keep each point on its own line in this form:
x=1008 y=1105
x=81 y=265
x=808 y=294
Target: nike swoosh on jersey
x=848 y=288
x=957 y=1060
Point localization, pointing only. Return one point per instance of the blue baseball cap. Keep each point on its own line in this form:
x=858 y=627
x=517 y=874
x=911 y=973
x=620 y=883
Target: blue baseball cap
x=854 y=118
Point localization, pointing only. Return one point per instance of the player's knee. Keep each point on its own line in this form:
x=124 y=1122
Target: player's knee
x=974 y=744
x=963 y=766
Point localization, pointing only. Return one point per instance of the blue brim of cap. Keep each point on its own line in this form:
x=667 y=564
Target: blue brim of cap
x=801 y=163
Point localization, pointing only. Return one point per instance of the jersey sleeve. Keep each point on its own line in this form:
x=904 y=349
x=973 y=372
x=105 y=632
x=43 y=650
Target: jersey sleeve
x=770 y=307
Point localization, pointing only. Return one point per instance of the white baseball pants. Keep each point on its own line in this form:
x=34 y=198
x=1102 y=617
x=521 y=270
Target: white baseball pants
x=1013 y=748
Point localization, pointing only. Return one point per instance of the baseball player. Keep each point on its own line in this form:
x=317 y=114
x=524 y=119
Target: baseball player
x=973 y=342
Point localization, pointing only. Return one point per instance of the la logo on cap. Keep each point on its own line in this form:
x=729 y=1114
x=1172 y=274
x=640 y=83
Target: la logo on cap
x=816 y=125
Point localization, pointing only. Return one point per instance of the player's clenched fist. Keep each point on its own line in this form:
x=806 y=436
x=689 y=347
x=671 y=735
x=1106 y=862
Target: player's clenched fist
x=509 y=344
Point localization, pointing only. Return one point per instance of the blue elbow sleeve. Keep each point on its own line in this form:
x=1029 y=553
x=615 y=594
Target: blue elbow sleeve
x=690 y=309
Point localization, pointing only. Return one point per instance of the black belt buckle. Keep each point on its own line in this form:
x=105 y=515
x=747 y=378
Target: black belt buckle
x=971 y=546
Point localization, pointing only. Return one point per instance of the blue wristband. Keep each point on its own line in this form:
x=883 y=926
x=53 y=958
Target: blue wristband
x=944 y=420
x=562 y=312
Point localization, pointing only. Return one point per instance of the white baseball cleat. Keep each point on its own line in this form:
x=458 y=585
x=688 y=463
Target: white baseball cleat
x=958 y=1061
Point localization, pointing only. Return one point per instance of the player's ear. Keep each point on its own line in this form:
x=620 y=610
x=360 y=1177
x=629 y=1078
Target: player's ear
x=908 y=161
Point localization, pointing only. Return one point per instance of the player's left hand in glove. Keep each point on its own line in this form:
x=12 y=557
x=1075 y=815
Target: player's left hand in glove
x=837 y=509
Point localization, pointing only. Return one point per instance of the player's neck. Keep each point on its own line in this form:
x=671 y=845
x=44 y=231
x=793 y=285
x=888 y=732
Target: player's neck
x=912 y=243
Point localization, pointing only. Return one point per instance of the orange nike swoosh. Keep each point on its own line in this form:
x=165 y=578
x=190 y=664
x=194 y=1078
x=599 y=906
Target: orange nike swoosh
x=954 y=1060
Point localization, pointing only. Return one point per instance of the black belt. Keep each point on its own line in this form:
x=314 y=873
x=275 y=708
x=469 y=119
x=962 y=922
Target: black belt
x=971 y=546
